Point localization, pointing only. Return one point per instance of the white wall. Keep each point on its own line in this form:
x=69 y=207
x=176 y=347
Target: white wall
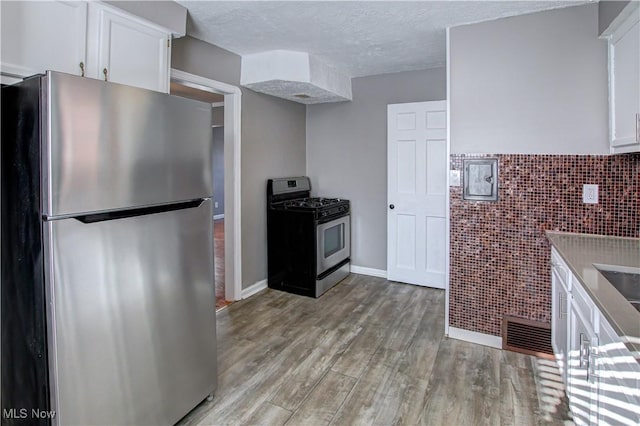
x=532 y=84
x=347 y=152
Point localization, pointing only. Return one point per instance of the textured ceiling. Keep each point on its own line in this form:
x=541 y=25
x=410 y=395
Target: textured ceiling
x=357 y=37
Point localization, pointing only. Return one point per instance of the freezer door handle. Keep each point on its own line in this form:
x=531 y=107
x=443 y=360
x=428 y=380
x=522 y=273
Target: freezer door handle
x=121 y=214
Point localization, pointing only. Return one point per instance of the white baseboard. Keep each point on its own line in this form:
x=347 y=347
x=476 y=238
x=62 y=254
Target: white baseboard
x=475 y=337
x=369 y=271
x=251 y=290
x=218 y=216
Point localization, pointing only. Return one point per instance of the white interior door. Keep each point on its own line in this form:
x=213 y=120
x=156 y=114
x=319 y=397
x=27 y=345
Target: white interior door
x=417 y=188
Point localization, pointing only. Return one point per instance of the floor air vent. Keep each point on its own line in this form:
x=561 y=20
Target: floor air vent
x=527 y=337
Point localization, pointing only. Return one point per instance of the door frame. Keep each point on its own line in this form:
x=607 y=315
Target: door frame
x=232 y=175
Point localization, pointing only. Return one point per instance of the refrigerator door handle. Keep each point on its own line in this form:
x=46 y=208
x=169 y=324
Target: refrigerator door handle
x=122 y=214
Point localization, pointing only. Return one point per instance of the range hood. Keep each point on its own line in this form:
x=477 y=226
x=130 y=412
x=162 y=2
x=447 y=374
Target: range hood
x=295 y=76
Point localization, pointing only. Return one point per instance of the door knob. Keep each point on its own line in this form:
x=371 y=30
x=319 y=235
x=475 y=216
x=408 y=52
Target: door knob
x=391 y=206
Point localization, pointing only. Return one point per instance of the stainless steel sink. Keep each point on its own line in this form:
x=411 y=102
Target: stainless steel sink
x=626 y=280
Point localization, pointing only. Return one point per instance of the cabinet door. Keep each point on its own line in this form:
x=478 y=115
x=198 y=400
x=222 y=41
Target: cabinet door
x=619 y=380
x=624 y=57
x=560 y=321
x=40 y=36
x=131 y=51
x=581 y=388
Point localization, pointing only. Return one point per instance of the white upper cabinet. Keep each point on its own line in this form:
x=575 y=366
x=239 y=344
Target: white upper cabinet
x=77 y=37
x=37 y=36
x=127 y=49
x=624 y=84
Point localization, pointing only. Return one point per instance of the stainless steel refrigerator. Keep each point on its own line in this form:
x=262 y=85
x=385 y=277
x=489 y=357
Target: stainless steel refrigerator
x=108 y=306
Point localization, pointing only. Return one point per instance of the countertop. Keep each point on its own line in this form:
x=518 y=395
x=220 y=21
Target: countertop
x=580 y=252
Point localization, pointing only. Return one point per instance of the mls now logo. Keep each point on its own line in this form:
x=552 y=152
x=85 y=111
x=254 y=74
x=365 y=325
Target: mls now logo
x=23 y=413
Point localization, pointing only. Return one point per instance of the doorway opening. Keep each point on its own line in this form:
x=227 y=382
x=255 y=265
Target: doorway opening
x=217 y=102
x=232 y=175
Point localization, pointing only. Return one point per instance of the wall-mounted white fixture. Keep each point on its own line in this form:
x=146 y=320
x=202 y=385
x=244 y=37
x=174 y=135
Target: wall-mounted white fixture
x=454 y=177
x=590 y=194
x=480 y=179
x=296 y=76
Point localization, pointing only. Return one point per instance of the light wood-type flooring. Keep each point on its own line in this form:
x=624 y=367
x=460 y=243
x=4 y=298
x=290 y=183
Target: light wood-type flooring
x=218 y=261
x=368 y=352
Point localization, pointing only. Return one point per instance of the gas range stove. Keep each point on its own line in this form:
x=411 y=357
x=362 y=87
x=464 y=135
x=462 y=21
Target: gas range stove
x=294 y=195
x=312 y=202
x=322 y=208
x=308 y=238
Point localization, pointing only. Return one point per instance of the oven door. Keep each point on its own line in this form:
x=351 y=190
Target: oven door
x=334 y=243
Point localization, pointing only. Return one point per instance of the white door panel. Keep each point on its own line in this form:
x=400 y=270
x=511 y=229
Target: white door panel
x=436 y=120
x=407 y=174
x=416 y=178
x=406 y=121
x=406 y=238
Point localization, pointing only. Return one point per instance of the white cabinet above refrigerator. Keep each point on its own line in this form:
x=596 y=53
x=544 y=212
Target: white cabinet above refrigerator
x=126 y=49
x=37 y=36
x=89 y=39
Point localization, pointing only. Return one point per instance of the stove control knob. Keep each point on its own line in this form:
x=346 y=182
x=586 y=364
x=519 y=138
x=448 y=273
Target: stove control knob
x=323 y=213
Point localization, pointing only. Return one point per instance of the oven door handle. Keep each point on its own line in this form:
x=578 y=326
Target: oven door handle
x=324 y=220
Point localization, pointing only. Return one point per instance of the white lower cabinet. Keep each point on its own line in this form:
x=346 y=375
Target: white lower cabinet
x=601 y=375
x=618 y=375
x=582 y=387
x=561 y=283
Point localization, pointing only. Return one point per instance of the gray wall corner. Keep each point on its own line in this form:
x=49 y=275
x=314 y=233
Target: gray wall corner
x=273 y=145
x=608 y=10
x=206 y=60
x=347 y=152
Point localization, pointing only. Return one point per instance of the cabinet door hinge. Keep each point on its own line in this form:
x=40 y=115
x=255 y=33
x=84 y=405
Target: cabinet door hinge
x=168 y=42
